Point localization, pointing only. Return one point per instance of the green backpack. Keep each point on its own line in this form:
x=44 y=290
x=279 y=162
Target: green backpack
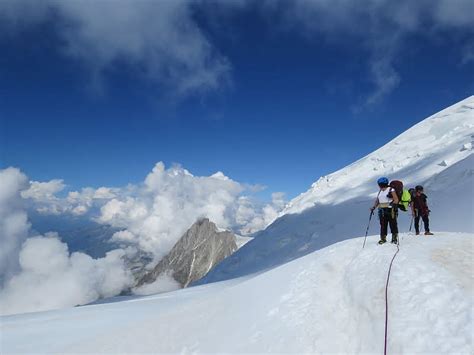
x=404 y=196
x=405 y=200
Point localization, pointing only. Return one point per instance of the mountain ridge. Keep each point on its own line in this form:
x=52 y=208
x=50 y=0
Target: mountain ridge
x=336 y=206
x=200 y=248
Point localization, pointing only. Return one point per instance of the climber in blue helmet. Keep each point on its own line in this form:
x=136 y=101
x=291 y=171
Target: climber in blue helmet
x=386 y=202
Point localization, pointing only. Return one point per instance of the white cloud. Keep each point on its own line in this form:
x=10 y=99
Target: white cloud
x=43 y=190
x=80 y=202
x=124 y=236
x=43 y=198
x=164 y=283
x=44 y=195
x=385 y=79
x=153 y=215
x=168 y=202
x=51 y=278
x=161 y=41
x=381 y=27
x=103 y=193
x=38 y=273
x=158 y=39
x=252 y=222
x=14 y=224
x=454 y=13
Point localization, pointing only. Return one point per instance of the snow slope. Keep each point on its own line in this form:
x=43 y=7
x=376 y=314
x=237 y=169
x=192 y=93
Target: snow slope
x=437 y=153
x=331 y=300
x=422 y=151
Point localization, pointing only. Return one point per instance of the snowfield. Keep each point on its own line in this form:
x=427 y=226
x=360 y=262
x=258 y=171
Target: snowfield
x=436 y=153
x=416 y=155
x=331 y=300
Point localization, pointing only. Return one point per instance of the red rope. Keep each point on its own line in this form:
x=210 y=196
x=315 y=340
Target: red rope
x=386 y=299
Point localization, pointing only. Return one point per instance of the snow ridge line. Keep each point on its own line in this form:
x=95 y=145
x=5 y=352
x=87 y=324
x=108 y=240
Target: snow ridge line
x=386 y=297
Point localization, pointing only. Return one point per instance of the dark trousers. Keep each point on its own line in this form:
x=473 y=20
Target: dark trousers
x=388 y=216
x=426 y=222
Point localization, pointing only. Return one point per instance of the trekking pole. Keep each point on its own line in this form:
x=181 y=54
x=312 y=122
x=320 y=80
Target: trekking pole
x=368 y=225
x=370 y=217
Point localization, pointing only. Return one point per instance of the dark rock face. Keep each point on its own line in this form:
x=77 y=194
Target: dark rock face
x=195 y=254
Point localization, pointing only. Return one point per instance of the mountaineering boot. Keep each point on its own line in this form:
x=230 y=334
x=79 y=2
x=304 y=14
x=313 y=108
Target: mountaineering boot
x=417 y=233
x=428 y=233
x=394 y=238
x=383 y=239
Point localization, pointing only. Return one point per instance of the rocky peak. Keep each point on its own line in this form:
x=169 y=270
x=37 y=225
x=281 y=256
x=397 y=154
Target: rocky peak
x=199 y=249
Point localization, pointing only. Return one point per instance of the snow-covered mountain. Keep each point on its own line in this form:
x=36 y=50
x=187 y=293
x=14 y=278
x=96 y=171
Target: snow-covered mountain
x=331 y=301
x=437 y=153
x=197 y=251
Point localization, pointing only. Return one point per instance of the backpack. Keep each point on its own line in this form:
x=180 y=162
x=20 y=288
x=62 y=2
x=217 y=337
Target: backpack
x=404 y=196
x=405 y=200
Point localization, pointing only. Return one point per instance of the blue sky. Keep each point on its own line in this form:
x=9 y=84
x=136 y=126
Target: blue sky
x=271 y=93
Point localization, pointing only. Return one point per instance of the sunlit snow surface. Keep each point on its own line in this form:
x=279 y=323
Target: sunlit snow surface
x=436 y=153
x=422 y=151
x=331 y=300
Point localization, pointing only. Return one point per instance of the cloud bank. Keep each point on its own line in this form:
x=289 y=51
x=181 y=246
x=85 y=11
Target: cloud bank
x=45 y=200
x=38 y=272
x=166 y=205
x=153 y=215
x=51 y=278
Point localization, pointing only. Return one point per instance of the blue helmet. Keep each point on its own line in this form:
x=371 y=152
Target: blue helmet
x=382 y=181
